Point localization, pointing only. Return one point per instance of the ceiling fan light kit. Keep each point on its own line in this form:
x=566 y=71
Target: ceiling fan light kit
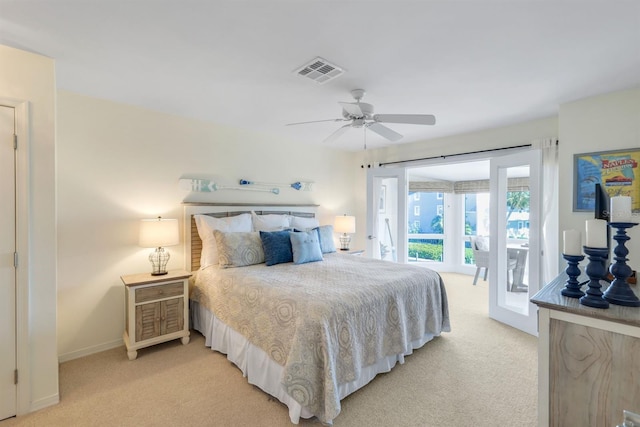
x=361 y=115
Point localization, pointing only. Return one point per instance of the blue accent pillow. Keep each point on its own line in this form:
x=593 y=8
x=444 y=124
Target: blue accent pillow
x=276 y=246
x=325 y=234
x=305 y=246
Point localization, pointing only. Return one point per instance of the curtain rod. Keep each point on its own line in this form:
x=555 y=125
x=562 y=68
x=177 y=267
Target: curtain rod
x=454 y=155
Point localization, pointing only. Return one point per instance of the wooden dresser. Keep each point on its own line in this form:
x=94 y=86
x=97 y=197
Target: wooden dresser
x=157 y=309
x=588 y=360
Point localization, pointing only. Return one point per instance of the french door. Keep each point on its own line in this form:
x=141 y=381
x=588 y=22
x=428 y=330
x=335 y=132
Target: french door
x=514 y=268
x=387 y=214
x=8 y=388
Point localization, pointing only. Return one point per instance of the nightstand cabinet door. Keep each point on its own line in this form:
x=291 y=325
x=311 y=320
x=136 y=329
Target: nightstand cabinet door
x=159 y=318
x=147 y=321
x=171 y=316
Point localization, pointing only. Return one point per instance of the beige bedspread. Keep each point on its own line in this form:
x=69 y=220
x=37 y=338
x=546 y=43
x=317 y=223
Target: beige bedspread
x=324 y=321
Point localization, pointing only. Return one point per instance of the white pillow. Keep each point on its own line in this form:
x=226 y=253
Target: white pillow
x=482 y=243
x=304 y=224
x=270 y=222
x=206 y=224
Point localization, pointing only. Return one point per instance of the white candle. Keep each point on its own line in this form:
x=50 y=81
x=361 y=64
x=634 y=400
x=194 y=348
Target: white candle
x=620 y=209
x=572 y=242
x=596 y=233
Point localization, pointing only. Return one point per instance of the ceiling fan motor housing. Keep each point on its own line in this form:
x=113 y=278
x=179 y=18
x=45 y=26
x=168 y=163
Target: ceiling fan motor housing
x=367 y=112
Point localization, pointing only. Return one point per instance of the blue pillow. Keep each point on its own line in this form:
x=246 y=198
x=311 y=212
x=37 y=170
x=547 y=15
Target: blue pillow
x=325 y=234
x=276 y=246
x=305 y=246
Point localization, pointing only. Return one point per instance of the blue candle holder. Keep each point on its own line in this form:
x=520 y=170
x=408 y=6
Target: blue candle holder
x=572 y=287
x=619 y=292
x=596 y=270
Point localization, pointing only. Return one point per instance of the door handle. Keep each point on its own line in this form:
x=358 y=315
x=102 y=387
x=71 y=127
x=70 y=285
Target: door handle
x=370 y=237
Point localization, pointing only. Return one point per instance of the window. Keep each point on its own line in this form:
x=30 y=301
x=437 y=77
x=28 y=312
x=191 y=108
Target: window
x=439 y=196
x=439 y=209
x=416 y=225
x=416 y=196
x=416 y=210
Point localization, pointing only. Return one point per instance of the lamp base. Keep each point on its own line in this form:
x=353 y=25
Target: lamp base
x=345 y=239
x=159 y=259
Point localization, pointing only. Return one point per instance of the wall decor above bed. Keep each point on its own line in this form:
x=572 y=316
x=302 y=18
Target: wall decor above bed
x=208 y=186
x=298 y=185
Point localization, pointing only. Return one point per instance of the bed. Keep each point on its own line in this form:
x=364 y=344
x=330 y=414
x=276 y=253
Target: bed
x=312 y=333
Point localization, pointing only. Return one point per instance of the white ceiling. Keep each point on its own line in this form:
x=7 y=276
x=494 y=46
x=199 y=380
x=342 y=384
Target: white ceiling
x=474 y=64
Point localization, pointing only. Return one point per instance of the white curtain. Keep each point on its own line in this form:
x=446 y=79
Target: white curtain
x=377 y=189
x=549 y=244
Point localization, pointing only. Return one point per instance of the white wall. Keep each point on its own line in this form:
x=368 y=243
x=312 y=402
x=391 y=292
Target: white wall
x=28 y=77
x=117 y=164
x=606 y=122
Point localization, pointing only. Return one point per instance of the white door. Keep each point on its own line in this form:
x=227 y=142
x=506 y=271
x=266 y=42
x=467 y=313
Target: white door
x=514 y=267
x=387 y=214
x=8 y=389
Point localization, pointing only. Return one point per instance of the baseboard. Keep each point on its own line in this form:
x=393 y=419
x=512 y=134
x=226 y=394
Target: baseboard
x=89 y=350
x=54 y=399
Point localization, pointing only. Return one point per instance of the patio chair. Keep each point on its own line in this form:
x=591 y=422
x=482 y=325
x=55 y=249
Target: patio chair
x=480 y=247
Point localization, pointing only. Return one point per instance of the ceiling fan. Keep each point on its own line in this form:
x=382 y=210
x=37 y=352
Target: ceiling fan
x=360 y=115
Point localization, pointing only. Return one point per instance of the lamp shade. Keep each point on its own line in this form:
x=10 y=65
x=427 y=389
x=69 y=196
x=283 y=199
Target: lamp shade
x=158 y=232
x=345 y=224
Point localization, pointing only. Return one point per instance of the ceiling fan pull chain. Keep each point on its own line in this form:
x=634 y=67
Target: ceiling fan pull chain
x=365 y=137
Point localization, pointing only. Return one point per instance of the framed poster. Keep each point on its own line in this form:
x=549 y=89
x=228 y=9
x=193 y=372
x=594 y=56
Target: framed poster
x=616 y=171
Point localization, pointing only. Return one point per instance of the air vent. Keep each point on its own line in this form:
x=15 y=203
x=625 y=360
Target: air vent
x=320 y=70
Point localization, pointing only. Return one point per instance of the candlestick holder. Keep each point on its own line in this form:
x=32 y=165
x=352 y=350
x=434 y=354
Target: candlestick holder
x=619 y=292
x=572 y=287
x=596 y=271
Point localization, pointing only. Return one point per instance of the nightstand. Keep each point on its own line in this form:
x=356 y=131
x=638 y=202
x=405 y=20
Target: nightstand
x=157 y=309
x=357 y=252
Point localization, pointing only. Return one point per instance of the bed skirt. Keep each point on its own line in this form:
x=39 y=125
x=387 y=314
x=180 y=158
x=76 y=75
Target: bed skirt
x=263 y=372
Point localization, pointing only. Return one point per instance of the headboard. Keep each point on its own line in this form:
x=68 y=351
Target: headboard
x=193 y=244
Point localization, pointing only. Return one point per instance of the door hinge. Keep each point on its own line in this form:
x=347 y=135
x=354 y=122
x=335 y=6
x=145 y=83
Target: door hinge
x=15 y=260
x=15 y=377
x=15 y=142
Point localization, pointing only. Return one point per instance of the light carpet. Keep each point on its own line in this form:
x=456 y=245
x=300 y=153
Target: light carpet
x=483 y=373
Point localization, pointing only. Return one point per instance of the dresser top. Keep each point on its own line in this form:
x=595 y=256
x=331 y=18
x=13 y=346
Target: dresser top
x=550 y=297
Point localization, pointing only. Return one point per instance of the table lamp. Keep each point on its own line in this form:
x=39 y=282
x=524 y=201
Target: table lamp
x=345 y=224
x=158 y=233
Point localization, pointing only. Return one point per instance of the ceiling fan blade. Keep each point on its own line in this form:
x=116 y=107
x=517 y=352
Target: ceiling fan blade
x=352 y=108
x=411 y=119
x=335 y=135
x=385 y=132
x=314 y=121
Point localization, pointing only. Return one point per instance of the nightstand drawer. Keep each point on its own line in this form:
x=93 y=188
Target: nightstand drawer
x=153 y=293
